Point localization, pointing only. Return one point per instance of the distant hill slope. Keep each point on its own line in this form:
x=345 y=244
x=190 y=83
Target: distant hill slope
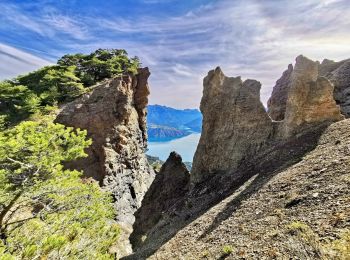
x=166 y=122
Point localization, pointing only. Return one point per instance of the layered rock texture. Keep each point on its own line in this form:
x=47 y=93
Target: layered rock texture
x=232 y=114
x=310 y=98
x=236 y=126
x=336 y=72
x=278 y=100
x=114 y=115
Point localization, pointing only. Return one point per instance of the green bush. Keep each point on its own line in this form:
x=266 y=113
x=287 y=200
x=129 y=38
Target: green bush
x=227 y=250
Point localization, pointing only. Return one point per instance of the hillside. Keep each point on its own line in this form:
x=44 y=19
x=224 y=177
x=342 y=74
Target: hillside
x=296 y=212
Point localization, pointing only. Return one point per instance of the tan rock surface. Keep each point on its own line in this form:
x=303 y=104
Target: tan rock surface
x=310 y=99
x=114 y=115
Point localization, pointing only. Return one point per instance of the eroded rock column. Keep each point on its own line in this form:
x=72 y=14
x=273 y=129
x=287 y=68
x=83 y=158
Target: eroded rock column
x=235 y=124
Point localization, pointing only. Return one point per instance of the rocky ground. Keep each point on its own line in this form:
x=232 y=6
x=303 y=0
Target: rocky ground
x=297 y=213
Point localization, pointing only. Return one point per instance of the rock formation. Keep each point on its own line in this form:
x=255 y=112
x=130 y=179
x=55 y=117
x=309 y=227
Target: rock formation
x=114 y=115
x=340 y=77
x=232 y=115
x=336 y=72
x=236 y=125
x=167 y=189
x=276 y=105
x=310 y=98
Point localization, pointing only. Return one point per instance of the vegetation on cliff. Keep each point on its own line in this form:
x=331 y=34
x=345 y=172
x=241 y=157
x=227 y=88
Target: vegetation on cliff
x=47 y=211
x=43 y=89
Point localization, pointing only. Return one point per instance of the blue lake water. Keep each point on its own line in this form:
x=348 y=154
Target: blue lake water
x=185 y=146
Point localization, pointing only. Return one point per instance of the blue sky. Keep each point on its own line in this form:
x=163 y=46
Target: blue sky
x=180 y=40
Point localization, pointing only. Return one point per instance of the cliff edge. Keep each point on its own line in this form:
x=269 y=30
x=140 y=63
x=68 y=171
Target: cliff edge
x=114 y=115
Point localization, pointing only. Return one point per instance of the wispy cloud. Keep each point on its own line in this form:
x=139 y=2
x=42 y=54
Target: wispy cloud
x=15 y=61
x=252 y=38
x=48 y=22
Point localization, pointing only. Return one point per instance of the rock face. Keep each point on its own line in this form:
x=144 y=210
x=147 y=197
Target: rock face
x=277 y=103
x=236 y=125
x=310 y=98
x=169 y=185
x=240 y=153
x=340 y=77
x=232 y=114
x=114 y=115
x=338 y=73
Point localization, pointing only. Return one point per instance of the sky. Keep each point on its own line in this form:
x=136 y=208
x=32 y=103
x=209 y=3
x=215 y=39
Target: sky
x=179 y=40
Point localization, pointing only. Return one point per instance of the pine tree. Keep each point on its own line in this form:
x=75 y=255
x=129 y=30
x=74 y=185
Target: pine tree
x=45 y=210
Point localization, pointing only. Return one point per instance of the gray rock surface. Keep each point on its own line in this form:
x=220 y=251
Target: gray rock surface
x=340 y=77
x=167 y=189
x=114 y=115
x=276 y=105
x=235 y=124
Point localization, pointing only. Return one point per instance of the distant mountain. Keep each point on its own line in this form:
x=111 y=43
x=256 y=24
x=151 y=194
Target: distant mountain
x=168 y=123
x=163 y=133
x=163 y=115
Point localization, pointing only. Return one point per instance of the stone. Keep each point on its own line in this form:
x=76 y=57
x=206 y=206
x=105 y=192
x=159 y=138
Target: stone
x=235 y=124
x=114 y=115
x=277 y=103
x=168 y=187
x=310 y=99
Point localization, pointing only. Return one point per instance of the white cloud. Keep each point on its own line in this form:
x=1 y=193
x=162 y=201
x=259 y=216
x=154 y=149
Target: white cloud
x=15 y=61
x=49 y=22
x=67 y=25
x=252 y=38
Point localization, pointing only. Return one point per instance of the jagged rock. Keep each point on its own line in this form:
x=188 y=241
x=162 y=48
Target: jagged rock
x=170 y=184
x=327 y=66
x=232 y=115
x=114 y=115
x=277 y=103
x=337 y=72
x=310 y=99
x=340 y=77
